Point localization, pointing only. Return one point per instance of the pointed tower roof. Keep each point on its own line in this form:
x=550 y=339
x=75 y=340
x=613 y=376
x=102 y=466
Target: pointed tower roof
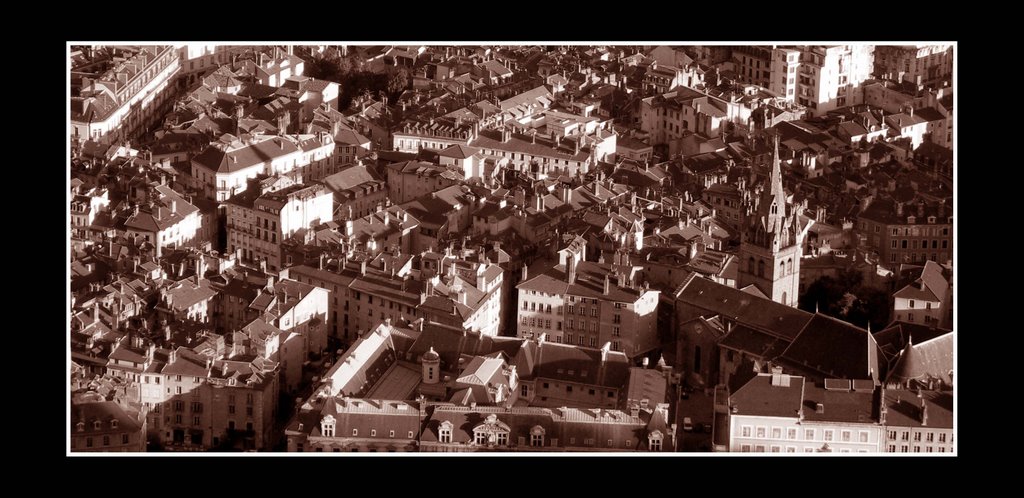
x=772 y=208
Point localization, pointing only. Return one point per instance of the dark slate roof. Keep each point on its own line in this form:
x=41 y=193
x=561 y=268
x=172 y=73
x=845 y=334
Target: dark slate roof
x=758 y=397
x=904 y=408
x=834 y=348
x=783 y=321
x=930 y=359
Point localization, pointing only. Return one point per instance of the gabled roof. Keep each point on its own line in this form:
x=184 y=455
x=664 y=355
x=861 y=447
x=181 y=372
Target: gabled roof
x=759 y=397
x=783 y=321
x=932 y=359
x=834 y=348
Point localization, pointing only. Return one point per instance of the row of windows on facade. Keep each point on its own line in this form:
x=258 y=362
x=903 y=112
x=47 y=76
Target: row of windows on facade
x=581 y=339
x=572 y=299
x=917 y=257
x=929 y=436
x=911 y=231
x=572 y=309
x=902 y=244
x=903 y=448
x=809 y=434
x=536 y=440
x=89 y=442
x=570 y=325
x=197 y=407
x=96 y=425
x=568 y=388
x=760 y=448
x=328 y=430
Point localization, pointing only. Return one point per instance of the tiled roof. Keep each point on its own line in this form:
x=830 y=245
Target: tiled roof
x=758 y=397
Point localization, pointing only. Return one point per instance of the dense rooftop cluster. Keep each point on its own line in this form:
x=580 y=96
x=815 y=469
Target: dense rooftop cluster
x=512 y=248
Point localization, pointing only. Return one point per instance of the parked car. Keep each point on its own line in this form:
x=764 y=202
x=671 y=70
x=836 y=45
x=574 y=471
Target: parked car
x=687 y=424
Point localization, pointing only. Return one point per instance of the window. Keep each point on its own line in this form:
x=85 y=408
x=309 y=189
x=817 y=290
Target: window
x=759 y=448
x=373 y=432
x=745 y=448
x=846 y=436
x=863 y=436
x=113 y=425
x=355 y=432
x=444 y=433
x=829 y=434
x=654 y=440
x=776 y=432
x=537 y=436
x=124 y=438
x=391 y=433
x=760 y=432
x=196 y=421
x=746 y=430
x=905 y=436
x=88 y=442
x=106 y=440
x=917 y=437
x=942 y=438
x=776 y=449
x=892 y=435
x=791 y=433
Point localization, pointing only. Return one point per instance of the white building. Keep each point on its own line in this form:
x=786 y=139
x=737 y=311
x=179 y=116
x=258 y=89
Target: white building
x=125 y=100
x=223 y=169
x=167 y=221
x=771 y=413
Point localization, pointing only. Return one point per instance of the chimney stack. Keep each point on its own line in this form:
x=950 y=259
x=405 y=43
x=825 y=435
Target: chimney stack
x=525 y=273
x=820 y=408
x=924 y=413
x=607 y=284
x=570 y=269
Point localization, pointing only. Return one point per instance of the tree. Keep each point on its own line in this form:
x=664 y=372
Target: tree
x=398 y=80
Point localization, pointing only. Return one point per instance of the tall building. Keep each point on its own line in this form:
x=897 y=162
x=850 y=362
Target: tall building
x=259 y=219
x=926 y=65
x=589 y=304
x=821 y=78
x=122 y=102
x=772 y=242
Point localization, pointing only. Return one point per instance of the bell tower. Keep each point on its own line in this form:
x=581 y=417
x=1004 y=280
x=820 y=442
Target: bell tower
x=771 y=245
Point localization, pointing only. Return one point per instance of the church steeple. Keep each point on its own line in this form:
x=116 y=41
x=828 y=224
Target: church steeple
x=772 y=208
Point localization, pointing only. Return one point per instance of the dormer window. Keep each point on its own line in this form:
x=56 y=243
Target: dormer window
x=96 y=425
x=537 y=436
x=444 y=432
x=931 y=219
x=80 y=426
x=327 y=425
x=654 y=440
x=911 y=220
x=113 y=424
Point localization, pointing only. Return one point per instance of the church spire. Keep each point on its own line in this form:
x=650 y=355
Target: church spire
x=776 y=178
x=772 y=207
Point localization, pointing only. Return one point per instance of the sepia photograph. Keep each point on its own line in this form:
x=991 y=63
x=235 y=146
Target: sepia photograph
x=624 y=248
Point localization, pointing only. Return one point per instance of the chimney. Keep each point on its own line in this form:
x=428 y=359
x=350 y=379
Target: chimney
x=525 y=273
x=604 y=351
x=924 y=413
x=607 y=284
x=819 y=409
x=570 y=269
x=362 y=267
x=323 y=256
